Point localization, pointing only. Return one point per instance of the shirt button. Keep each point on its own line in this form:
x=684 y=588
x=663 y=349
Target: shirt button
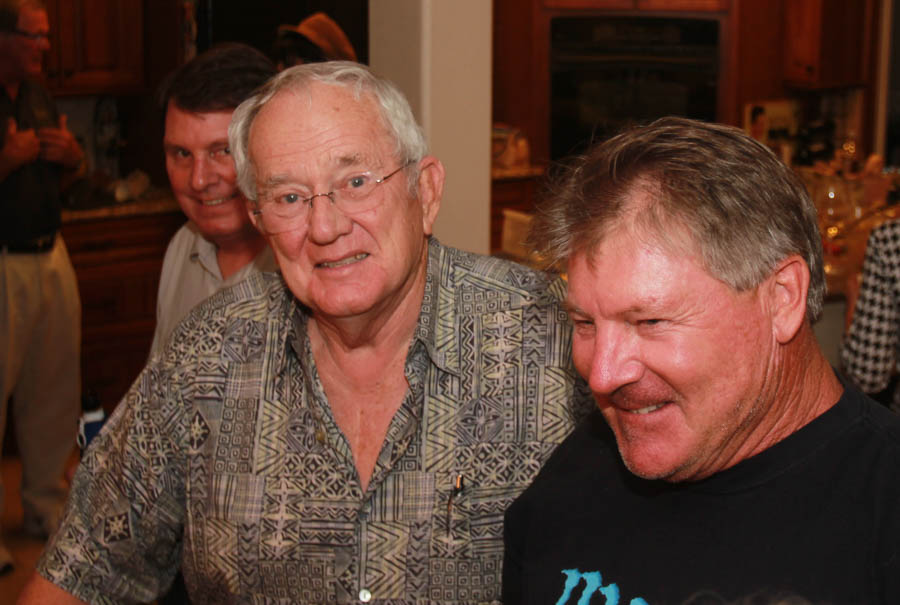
x=365 y=596
x=320 y=436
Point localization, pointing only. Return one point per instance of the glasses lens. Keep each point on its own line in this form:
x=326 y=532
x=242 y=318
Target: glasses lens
x=357 y=187
x=353 y=194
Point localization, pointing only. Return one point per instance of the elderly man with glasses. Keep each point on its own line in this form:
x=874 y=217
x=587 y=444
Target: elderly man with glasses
x=349 y=430
x=40 y=312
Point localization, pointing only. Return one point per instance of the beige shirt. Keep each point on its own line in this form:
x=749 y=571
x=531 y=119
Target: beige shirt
x=190 y=274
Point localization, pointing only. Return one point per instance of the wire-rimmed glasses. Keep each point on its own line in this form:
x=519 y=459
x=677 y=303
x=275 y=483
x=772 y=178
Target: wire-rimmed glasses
x=285 y=211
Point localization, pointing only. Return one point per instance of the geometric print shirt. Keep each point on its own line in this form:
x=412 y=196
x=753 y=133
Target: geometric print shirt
x=869 y=352
x=224 y=458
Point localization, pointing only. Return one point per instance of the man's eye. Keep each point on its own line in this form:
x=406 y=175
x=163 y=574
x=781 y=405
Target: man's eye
x=649 y=322
x=289 y=198
x=357 y=182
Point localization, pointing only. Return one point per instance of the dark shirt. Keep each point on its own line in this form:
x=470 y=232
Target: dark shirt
x=29 y=196
x=816 y=516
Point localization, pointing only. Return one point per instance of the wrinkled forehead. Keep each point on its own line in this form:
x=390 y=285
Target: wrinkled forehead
x=318 y=121
x=315 y=106
x=32 y=18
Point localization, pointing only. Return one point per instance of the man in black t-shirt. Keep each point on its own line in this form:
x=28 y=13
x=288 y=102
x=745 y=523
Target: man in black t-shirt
x=40 y=311
x=726 y=463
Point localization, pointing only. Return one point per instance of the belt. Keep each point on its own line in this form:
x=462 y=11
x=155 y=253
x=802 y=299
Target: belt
x=35 y=246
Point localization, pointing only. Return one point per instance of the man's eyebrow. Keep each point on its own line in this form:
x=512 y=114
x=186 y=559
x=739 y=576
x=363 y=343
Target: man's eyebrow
x=354 y=159
x=275 y=180
x=571 y=308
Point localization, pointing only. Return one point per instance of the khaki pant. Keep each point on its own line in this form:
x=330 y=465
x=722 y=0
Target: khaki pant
x=40 y=338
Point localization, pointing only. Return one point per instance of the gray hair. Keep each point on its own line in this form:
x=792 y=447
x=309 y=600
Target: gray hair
x=393 y=108
x=743 y=209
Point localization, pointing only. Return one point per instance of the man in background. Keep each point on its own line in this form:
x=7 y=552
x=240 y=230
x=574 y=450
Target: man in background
x=219 y=246
x=40 y=310
x=727 y=463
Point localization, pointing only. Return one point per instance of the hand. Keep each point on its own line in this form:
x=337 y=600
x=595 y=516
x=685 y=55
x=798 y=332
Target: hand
x=58 y=145
x=19 y=147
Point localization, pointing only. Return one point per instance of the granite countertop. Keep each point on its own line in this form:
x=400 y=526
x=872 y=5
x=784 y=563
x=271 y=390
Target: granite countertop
x=153 y=201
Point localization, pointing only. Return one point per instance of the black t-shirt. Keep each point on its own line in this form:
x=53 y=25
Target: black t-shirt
x=816 y=516
x=29 y=196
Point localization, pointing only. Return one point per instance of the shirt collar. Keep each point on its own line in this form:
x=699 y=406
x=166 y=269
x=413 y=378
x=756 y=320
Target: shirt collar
x=204 y=252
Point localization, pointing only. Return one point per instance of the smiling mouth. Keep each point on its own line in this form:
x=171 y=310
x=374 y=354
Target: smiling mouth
x=218 y=201
x=648 y=409
x=344 y=261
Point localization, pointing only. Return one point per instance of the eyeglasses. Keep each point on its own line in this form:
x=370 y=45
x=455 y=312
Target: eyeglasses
x=286 y=211
x=34 y=37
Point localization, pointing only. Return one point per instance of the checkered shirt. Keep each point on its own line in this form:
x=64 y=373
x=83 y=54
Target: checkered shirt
x=869 y=352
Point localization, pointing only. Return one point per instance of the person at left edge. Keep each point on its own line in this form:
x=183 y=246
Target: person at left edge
x=40 y=310
x=349 y=430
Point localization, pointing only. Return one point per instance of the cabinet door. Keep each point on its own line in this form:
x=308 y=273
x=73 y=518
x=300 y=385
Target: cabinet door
x=117 y=262
x=826 y=42
x=98 y=46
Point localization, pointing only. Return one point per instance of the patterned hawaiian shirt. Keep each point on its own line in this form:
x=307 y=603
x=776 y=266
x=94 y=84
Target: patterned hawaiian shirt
x=869 y=353
x=224 y=457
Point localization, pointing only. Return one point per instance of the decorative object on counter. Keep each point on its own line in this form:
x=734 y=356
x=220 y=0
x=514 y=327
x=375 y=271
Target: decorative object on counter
x=815 y=143
x=107 y=138
x=515 y=230
x=850 y=204
x=131 y=187
x=774 y=124
x=509 y=148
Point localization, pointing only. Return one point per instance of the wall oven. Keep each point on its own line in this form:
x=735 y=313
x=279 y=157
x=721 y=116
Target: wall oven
x=609 y=72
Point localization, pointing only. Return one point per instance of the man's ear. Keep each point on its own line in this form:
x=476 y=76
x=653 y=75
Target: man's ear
x=430 y=189
x=787 y=288
x=252 y=206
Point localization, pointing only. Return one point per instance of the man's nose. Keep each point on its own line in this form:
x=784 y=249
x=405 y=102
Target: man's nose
x=326 y=222
x=616 y=360
x=203 y=174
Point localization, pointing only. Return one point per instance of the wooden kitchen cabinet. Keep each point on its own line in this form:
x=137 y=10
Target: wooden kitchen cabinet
x=827 y=42
x=97 y=47
x=117 y=260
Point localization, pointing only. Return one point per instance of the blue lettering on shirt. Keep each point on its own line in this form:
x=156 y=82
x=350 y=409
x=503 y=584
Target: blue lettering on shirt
x=593 y=583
